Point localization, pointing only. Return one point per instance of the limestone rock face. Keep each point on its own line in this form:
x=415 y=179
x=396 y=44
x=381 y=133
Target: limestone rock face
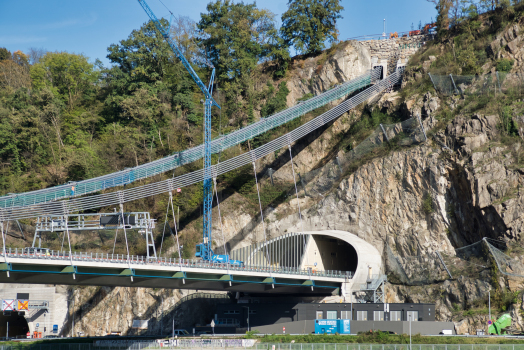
x=314 y=77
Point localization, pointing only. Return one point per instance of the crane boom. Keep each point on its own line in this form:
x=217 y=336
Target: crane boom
x=165 y=33
x=203 y=250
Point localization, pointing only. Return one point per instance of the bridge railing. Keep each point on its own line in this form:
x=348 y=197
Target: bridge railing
x=45 y=254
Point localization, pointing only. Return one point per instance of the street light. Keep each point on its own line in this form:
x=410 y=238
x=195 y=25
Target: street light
x=247 y=317
x=409 y=317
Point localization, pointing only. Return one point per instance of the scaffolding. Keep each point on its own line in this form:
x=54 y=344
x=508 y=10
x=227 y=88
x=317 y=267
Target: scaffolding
x=140 y=221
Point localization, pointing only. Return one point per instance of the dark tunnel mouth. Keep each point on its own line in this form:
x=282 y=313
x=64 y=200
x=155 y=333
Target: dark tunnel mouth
x=18 y=326
x=336 y=254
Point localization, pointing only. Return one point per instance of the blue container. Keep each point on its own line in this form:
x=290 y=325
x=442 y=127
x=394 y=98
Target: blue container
x=332 y=326
x=344 y=326
x=326 y=326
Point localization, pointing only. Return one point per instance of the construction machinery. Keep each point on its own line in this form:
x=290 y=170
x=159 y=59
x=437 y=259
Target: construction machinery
x=204 y=249
x=503 y=326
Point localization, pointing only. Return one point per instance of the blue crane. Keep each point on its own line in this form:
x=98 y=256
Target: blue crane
x=204 y=249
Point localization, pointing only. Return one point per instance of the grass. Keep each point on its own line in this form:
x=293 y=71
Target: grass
x=384 y=338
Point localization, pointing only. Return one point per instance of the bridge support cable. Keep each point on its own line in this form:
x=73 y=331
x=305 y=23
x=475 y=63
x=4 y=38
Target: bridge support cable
x=116 y=235
x=165 y=224
x=220 y=220
x=298 y=201
x=69 y=242
x=176 y=229
x=125 y=235
x=3 y=245
x=148 y=190
x=263 y=223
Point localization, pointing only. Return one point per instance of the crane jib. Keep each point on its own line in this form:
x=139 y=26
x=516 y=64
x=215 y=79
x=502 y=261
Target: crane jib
x=176 y=50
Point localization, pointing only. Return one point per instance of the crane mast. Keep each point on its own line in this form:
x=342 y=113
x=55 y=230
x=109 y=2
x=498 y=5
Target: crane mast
x=204 y=249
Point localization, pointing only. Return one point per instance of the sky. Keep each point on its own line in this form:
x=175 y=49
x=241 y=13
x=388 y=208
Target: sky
x=89 y=27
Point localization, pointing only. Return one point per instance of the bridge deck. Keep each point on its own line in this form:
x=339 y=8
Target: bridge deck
x=117 y=270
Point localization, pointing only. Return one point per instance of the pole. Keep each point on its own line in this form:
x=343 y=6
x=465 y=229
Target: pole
x=489 y=303
x=248 y=319
x=410 y=332
x=7 y=331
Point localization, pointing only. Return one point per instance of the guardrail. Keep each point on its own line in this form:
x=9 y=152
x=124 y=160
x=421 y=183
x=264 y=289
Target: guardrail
x=53 y=255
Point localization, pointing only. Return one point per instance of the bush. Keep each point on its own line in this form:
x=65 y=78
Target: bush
x=504 y=65
x=427 y=204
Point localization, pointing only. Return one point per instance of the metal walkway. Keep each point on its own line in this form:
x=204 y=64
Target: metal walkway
x=65 y=207
x=169 y=163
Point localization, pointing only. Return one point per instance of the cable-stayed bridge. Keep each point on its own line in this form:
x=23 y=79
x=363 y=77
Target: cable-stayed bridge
x=271 y=273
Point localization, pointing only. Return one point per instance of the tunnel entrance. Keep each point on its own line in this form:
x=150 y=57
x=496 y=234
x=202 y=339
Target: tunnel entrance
x=335 y=254
x=18 y=326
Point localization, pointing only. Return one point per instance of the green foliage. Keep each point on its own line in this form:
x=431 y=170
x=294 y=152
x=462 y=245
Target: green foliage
x=308 y=24
x=427 y=204
x=504 y=65
x=4 y=54
x=238 y=37
x=69 y=76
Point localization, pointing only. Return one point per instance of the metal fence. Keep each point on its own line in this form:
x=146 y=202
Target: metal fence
x=335 y=346
x=239 y=344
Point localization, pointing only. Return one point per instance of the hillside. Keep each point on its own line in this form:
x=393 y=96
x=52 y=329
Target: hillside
x=410 y=197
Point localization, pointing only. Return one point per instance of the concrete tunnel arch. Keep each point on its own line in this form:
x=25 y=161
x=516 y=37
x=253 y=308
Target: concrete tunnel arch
x=329 y=249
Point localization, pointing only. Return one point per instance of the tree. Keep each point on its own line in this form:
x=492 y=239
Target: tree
x=4 y=54
x=443 y=7
x=14 y=71
x=70 y=75
x=308 y=24
x=237 y=38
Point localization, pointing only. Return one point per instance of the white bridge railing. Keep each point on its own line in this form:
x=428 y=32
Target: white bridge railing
x=53 y=255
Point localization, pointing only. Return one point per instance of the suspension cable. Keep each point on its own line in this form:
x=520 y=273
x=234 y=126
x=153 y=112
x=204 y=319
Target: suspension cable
x=3 y=239
x=261 y=215
x=69 y=240
x=220 y=219
x=298 y=204
x=125 y=235
x=176 y=229
x=164 y=230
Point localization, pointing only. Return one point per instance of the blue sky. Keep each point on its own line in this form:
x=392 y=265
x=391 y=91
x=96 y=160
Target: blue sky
x=89 y=27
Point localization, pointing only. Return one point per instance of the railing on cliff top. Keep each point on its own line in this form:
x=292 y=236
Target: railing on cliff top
x=169 y=163
x=127 y=195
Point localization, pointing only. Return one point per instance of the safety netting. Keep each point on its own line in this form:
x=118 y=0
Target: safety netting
x=486 y=84
x=405 y=133
x=437 y=266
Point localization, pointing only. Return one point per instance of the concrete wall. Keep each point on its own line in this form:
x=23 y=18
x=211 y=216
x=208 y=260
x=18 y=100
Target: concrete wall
x=58 y=304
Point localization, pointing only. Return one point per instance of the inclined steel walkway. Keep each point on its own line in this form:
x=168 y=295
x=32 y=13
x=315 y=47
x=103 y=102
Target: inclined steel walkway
x=74 y=205
x=169 y=163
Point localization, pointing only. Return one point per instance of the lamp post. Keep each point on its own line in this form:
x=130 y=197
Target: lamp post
x=409 y=317
x=247 y=307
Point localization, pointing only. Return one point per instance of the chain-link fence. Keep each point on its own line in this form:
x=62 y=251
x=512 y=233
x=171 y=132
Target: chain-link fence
x=321 y=180
x=487 y=84
x=334 y=346
x=470 y=261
